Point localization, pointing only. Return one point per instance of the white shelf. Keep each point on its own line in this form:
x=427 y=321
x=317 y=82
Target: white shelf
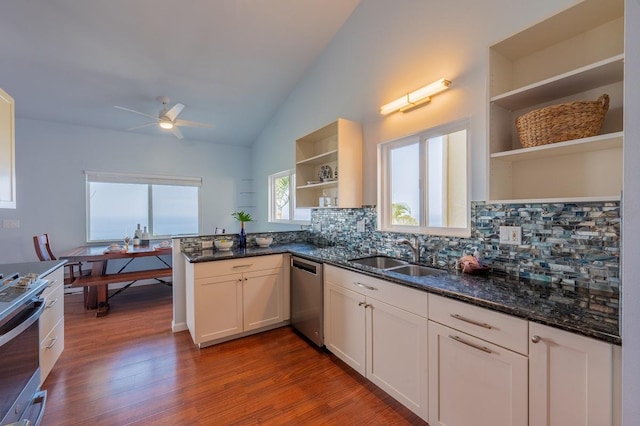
x=608 y=71
x=576 y=146
x=319 y=185
x=320 y=159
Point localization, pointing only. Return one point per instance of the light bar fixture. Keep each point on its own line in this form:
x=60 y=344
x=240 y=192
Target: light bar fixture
x=415 y=98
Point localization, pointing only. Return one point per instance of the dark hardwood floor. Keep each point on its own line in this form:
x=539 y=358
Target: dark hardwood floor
x=129 y=368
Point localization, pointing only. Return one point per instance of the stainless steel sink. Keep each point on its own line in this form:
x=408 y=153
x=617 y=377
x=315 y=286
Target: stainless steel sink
x=416 y=270
x=379 y=262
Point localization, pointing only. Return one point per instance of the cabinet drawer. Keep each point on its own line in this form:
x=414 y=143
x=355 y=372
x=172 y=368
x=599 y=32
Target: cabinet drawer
x=55 y=278
x=54 y=309
x=501 y=329
x=234 y=266
x=409 y=299
x=50 y=349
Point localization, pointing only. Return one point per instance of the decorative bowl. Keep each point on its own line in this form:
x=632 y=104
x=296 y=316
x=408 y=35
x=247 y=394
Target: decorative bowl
x=264 y=241
x=223 y=245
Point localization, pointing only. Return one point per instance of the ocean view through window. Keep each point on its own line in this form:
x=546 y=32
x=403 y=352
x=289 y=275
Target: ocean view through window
x=117 y=203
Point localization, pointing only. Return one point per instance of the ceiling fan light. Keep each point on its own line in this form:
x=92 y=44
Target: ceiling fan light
x=165 y=123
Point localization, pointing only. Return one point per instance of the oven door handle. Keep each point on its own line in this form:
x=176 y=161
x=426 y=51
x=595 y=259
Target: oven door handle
x=28 y=322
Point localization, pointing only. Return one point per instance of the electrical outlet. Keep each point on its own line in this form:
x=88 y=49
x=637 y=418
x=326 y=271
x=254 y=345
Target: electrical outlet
x=11 y=223
x=511 y=235
x=207 y=244
x=360 y=225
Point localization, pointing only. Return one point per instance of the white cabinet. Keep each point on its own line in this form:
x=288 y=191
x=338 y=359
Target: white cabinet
x=7 y=152
x=51 y=323
x=577 y=54
x=235 y=297
x=329 y=164
x=572 y=380
x=474 y=381
x=380 y=330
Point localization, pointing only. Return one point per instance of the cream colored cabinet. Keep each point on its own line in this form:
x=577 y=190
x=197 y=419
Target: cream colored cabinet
x=380 y=330
x=51 y=323
x=234 y=298
x=575 y=55
x=7 y=152
x=573 y=379
x=329 y=166
x=476 y=374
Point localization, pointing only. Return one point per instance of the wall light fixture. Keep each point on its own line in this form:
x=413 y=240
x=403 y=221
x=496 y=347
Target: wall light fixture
x=415 y=98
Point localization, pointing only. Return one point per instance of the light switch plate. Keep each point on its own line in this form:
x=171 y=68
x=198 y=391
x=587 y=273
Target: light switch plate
x=11 y=223
x=360 y=225
x=511 y=235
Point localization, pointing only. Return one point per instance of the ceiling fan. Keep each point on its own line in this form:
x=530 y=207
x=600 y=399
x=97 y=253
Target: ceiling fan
x=167 y=119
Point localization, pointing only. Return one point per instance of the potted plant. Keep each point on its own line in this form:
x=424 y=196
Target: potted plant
x=242 y=217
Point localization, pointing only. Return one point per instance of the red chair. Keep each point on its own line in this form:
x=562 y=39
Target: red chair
x=44 y=252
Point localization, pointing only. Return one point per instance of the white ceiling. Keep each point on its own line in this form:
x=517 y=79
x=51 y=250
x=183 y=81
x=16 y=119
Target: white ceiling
x=231 y=62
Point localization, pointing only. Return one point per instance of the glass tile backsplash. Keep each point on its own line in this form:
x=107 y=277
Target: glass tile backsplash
x=576 y=245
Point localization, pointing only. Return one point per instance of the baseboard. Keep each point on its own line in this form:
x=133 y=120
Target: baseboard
x=177 y=327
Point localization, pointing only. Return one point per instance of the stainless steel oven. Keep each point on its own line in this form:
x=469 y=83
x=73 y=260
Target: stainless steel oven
x=21 y=401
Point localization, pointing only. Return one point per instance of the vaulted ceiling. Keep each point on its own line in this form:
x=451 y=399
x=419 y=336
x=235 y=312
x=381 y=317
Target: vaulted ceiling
x=232 y=63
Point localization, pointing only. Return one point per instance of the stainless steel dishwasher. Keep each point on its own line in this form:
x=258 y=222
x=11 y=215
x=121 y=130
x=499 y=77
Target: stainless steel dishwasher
x=306 y=299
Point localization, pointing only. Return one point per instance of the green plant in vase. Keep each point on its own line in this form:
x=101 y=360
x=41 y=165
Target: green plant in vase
x=242 y=217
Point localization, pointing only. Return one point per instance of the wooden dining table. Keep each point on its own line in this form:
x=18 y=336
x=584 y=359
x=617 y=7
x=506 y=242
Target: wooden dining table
x=96 y=283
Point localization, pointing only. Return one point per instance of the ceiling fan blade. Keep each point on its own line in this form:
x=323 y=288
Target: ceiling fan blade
x=144 y=125
x=136 y=112
x=191 y=123
x=174 y=111
x=177 y=132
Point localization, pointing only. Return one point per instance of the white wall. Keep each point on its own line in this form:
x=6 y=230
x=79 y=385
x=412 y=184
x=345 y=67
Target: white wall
x=631 y=220
x=50 y=163
x=385 y=49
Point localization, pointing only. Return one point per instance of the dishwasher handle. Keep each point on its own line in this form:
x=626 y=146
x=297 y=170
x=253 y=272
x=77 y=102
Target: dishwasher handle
x=312 y=269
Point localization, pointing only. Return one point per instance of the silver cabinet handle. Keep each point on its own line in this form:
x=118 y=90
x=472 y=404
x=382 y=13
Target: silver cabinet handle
x=53 y=342
x=361 y=303
x=470 y=321
x=535 y=339
x=52 y=283
x=51 y=303
x=242 y=266
x=368 y=287
x=481 y=348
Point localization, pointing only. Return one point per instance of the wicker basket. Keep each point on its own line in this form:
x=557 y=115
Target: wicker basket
x=563 y=122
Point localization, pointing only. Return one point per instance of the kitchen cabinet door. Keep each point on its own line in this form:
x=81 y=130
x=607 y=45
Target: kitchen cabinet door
x=571 y=379
x=218 y=308
x=344 y=327
x=7 y=152
x=262 y=298
x=473 y=382
x=397 y=354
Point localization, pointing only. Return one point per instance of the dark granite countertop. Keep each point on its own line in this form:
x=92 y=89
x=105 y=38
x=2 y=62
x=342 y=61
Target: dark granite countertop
x=577 y=310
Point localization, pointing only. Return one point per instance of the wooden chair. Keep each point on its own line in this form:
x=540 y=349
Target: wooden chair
x=44 y=252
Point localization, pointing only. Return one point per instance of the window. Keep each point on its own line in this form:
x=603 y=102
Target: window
x=423 y=181
x=117 y=203
x=282 y=200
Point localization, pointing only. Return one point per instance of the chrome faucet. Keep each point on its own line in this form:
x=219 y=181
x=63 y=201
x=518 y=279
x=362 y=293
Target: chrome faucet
x=415 y=247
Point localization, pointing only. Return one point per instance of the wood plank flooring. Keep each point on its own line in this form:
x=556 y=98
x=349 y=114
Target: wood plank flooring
x=129 y=368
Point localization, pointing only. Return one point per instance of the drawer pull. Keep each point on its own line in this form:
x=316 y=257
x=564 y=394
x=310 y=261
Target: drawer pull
x=53 y=342
x=368 y=287
x=535 y=339
x=480 y=348
x=242 y=266
x=470 y=321
x=362 y=304
x=51 y=303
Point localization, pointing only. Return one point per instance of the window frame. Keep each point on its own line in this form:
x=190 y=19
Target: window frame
x=384 y=182
x=141 y=179
x=292 y=199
